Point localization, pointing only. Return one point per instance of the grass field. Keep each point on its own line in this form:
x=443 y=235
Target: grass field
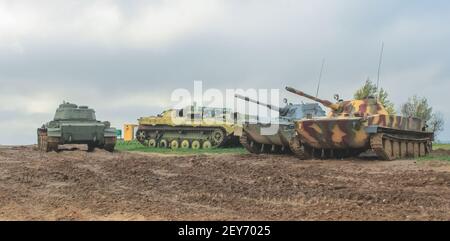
x=434 y=158
x=441 y=146
x=438 y=155
x=136 y=146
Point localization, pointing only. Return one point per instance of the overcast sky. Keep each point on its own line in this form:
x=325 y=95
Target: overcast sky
x=124 y=58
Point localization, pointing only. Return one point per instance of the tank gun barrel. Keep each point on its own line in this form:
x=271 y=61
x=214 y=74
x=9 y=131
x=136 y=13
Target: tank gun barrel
x=272 y=107
x=326 y=103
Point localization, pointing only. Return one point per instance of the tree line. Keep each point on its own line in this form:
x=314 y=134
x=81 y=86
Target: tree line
x=416 y=106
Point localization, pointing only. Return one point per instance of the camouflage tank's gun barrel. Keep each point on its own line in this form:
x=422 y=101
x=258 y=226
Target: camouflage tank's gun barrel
x=326 y=103
x=275 y=108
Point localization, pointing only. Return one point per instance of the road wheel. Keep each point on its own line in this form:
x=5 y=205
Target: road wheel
x=387 y=145
x=195 y=145
x=218 y=137
x=428 y=147
x=298 y=149
x=174 y=144
x=206 y=145
x=403 y=149
x=396 y=149
x=184 y=144
x=141 y=135
x=249 y=144
x=422 y=149
x=416 y=150
x=163 y=143
x=152 y=142
x=410 y=149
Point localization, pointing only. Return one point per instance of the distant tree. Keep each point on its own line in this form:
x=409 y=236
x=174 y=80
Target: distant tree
x=370 y=89
x=383 y=98
x=418 y=107
x=436 y=123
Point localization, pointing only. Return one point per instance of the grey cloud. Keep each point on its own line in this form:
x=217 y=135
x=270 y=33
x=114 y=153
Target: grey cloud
x=248 y=44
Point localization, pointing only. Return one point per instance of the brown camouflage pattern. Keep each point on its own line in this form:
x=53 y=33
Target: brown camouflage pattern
x=358 y=108
x=345 y=126
x=332 y=133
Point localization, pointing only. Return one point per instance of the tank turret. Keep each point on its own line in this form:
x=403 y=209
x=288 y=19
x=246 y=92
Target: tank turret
x=326 y=103
x=69 y=111
x=350 y=108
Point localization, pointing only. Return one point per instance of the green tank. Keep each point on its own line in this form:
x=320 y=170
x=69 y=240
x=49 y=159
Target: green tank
x=190 y=127
x=279 y=139
x=74 y=124
x=356 y=126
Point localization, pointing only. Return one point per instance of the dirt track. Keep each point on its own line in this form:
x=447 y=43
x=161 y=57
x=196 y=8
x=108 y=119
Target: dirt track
x=76 y=185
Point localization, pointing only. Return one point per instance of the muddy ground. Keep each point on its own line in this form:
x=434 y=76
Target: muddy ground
x=76 y=185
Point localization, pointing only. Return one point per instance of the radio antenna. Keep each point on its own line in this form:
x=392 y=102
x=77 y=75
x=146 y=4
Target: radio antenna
x=379 y=65
x=320 y=77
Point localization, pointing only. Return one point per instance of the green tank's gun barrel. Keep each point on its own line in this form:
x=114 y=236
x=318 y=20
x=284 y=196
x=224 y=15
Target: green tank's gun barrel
x=326 y=103
x=272 y=107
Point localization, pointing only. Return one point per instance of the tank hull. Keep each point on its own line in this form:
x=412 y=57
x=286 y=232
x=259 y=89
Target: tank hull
x=268 y=138
x=94 y=135
x=74 y=124
x=333 y=134
x=381 y=133
x=283 y=133
x=164 y=135
x=277 y=136
x=191 y=127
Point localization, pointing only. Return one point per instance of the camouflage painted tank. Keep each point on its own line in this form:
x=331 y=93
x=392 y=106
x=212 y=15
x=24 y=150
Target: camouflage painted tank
x=74 y=124
x=356 y=126
x=190 y=127
x=276 y=136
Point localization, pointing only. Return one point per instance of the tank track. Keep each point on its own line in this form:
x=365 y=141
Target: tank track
x=305 y=152
x=245 y=142
x=46 y=143
x=259 y=148
x=224 y=140
x=390 y=146
x=387 y=146
x=110 y=143
x=298 y=149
